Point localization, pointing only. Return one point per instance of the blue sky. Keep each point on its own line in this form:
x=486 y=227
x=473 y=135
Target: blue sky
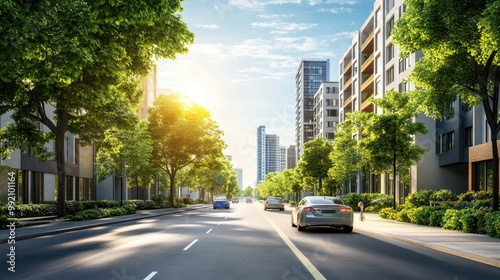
x=243 y=63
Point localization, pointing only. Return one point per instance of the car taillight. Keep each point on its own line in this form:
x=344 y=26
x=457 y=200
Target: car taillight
x=308 y=209
x=346 y=209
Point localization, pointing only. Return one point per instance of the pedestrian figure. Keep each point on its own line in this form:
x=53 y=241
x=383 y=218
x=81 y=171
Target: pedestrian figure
x=361 y=206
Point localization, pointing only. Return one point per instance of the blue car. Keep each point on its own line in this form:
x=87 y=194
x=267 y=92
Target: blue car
x=221 y=203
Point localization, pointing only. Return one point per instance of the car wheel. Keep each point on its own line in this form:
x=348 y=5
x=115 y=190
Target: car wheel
x=299 y=228
x=347 y=229
x=214 y=207
x=265 y=208
x=282 y=209
x=291 y=219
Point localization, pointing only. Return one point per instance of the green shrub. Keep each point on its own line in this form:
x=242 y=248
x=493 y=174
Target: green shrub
x=35 y=210
x=160 y=200
x=292 y=202
x=388 y=213
x=71 y=207
x=100 y=213
x=452 y=219
x=379 y=202
x=4 y=221
x=475 y=195
x=352 y=200
x=420 y=198
x=443 y=195
x=492 y=224
x=187 y=200
x=436 y=216
x=141 y=204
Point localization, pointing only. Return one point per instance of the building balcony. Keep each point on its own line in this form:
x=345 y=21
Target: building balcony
x=368 y=62
x=367 y=85
x=367 y=46
x=347 y=68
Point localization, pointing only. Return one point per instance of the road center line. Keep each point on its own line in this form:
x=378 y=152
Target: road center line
x=303 y=259
x=209 y=231
x=151 y=275
x=190 y=244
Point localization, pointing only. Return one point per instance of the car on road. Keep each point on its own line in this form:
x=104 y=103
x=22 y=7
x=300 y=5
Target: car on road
x=221 y=203
x=329 y=211
x=235 y=200
x=249 y=200
x=274 y=203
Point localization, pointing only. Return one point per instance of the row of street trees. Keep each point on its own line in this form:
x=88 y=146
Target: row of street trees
x=72 y=66
x=460 y=41
x=386 y=140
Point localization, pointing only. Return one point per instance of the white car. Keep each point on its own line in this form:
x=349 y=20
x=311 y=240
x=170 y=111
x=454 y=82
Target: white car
x=322 y=211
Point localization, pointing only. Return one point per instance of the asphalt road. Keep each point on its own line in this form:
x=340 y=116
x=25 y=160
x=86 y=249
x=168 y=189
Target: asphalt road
x=244 y=242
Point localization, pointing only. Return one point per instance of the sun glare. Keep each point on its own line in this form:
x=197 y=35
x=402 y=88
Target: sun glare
x=195 y=93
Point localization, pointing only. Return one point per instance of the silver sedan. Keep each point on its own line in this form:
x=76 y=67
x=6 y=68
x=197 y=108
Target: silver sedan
x=322 y=211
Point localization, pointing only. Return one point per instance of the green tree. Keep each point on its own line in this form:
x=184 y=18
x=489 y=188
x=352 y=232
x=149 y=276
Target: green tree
x=346 y=155
x=292 y=183
x=388 y=137
x=248 y=191
x=72 y=66
x=184 y=134
x=461 y=43
x=126 y=154
x=315 y=161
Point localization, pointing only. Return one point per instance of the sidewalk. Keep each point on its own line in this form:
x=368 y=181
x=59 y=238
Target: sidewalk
x=476 y=247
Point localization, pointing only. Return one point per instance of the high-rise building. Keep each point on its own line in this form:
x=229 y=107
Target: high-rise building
x=268 y=153
x=310 y=74
x=326 y=110
x=291 y=157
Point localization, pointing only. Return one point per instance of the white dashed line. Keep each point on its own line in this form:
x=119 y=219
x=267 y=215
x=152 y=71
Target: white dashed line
x=190 y=244
x=151 y=275
x=209 y=231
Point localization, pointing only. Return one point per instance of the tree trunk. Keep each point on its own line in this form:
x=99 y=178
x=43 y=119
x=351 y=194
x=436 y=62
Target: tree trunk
x=495 y=170
x=61 y=173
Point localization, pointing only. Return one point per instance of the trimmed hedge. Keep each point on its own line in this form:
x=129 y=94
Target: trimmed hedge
x=49 y=208
x=100 y=213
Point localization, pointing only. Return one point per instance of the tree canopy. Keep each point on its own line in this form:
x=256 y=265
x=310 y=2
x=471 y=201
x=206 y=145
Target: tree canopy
x=72 y=66
x=460 y=41
x=184 y=134
x=315 y=161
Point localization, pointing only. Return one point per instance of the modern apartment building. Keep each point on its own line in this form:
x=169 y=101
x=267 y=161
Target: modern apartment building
x=310 y=74
x=326 y=110
x=269 y=153
x=370 y=68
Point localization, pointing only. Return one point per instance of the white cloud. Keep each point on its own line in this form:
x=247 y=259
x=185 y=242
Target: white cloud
x=259 y=4
x=336 y=10
x=284 y=27
x=275 y=16
x=207 y=26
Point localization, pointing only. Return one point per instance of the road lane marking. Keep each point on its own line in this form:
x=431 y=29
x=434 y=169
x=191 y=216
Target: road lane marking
x=190 y=244
x=151 y=275
x=219 y=223
x=303 y=259
x=209 y=231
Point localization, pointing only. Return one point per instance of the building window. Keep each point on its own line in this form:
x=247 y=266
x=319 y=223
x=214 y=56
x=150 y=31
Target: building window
x=389 y=52
x=390 y=75
x=468 y=136
x=389 y=4
x=446 y=142
x=389 y=27
x=404 y=86
x=332 y=113
x=330 y=135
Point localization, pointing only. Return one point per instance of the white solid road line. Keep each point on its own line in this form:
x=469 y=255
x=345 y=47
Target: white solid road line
x=151 y=275
x=190 y=244
x=303 y=259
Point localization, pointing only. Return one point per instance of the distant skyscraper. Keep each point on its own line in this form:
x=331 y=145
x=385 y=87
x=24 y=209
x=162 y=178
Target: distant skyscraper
x=268 y=153
x=310 y=75
x=239 y=177
x=282 y=160
x=291 y=157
